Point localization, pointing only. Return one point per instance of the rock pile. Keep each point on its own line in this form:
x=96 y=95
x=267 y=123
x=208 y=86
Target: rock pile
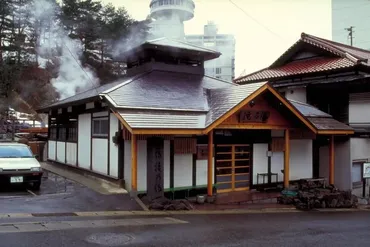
x=313 y=193
x=167 y=204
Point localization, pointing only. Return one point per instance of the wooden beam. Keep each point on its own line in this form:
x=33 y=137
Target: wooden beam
x=286 y=159
x=292 y=109
x=210 y=164
x=331 y=160
x=336 y=132
x=252 y=126
x=134 y=163
x=167 y=131
x=124 y=123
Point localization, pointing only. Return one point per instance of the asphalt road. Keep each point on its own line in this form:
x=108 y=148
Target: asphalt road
x=287 y=229
x=60 y=195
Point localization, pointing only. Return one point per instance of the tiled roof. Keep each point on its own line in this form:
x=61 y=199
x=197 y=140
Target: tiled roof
x=345 y=56
x=309 y=110
x=167 y=91
x=328 y=124
x=298 y=67
x=223 y=100
x=163 y=119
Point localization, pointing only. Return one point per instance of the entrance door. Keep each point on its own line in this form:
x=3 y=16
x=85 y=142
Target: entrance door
x=232 y=167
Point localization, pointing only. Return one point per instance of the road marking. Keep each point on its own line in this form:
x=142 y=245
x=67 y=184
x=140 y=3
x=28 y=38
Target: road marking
x=29 y=191
x=68 y=225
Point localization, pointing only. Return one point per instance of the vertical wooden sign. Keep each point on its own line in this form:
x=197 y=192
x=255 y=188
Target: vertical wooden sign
x=155 y=168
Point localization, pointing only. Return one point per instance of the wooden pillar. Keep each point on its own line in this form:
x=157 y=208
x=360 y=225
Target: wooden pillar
x=331 y=160
x=210 y=164
x=133 y=163
x=286 y=158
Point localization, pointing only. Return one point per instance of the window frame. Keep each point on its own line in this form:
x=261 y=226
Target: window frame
x=100 y=135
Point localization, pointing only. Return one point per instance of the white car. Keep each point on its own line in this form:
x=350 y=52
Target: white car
x=19 y=166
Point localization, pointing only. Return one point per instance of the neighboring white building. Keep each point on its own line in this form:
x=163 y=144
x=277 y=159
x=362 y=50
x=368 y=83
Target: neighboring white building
x=169 y=17
x=224 y=66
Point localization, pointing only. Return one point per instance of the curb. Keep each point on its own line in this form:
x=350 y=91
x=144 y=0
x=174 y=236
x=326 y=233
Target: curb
x=171 y=213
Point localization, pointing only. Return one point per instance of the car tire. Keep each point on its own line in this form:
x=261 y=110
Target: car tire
x=36 y=185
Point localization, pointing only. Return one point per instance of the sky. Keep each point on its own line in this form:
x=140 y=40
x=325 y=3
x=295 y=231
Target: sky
x=263 y=29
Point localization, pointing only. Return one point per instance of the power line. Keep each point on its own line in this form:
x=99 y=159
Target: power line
x=255 y=20
x=350 y=34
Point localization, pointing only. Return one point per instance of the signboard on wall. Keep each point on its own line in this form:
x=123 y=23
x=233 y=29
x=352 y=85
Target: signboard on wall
x=254 y=116
x=366 y=170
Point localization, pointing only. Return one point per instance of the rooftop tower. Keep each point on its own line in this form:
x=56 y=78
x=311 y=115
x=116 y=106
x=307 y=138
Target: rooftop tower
x=169 y=17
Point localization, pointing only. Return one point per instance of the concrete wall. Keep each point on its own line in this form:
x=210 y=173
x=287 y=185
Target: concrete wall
x=342 y=164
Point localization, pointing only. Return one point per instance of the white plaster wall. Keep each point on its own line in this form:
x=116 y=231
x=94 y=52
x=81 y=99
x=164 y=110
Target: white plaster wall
x=202 y=172
x=127 y=165
x=183 y=170
x=100 y=155
x=342 y=165
x=300 y=159
x=113 y=148
x=358 y=112
x=51 y=150
x=360 y=148
x=61 y=152
x=260 y=160
x=84 y=140
x=297 y=94
x=71 y=153
x=277 y=164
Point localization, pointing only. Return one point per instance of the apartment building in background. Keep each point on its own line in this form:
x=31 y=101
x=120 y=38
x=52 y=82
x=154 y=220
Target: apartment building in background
x=224 y=66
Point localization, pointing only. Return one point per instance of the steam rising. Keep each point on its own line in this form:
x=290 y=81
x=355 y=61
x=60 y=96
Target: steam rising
x=72 y=76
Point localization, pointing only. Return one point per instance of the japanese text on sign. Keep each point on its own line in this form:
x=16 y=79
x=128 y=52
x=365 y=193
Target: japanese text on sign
x=254 y=116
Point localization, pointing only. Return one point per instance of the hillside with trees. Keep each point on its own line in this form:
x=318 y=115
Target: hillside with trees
x=26 y=71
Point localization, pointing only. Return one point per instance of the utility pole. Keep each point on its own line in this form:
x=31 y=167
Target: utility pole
x=350 y=33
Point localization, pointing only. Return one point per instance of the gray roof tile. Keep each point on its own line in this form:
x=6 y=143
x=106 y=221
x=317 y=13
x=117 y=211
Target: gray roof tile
x=308 y=110
x=163 y=119
x=224 y=99
x=166 y=90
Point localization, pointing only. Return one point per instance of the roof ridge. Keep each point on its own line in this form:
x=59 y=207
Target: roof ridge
x=333 y=45
x=245 y=76
x=128 y=81
x=218 y=79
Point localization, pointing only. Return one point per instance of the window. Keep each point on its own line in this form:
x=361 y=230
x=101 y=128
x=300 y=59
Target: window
x=100 y=127
x=62 y=134
x=218 y=70
x=15 y=151
x=72 y=134
x=53 y=133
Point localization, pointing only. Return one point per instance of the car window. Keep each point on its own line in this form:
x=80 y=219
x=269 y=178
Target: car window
x=15 y=152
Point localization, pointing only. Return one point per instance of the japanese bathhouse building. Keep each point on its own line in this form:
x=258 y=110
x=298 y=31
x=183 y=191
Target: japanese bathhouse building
x=167 y=127
x=333 y=77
